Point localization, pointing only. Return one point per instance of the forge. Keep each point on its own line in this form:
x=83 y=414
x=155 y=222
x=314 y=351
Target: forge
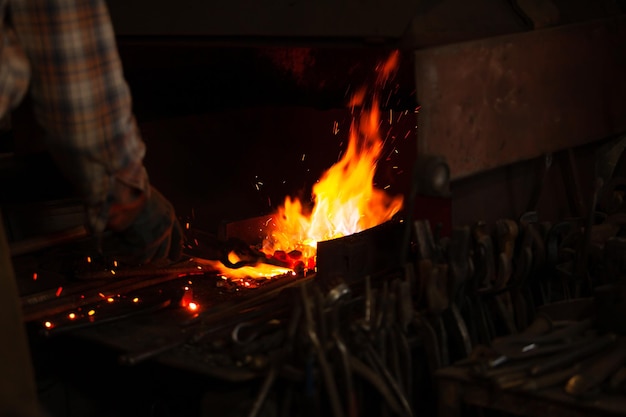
x=494 y=154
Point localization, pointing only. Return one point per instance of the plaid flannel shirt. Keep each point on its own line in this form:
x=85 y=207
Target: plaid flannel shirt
x=66 y=50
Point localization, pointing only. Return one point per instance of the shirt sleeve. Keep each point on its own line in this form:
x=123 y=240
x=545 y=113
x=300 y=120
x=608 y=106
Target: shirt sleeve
x=83 y=103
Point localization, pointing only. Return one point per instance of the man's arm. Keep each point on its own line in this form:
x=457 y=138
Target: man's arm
x=83 y=103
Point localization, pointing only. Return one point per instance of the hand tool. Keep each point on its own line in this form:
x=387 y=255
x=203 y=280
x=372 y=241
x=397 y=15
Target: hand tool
x=554 y=240
x=344 y=355
x=459 y=264
x=329 y=381
x=431 y=344
x=540 y=326
x=549 y=379
x=247 y=255
x=480 y=284
x=600 y=370
x=526 y=262
x=266 y=386
x=433 y=274
x=365 y=372
x=378 y=364
x=506 y=235
x=573 y=353
x=582 y=259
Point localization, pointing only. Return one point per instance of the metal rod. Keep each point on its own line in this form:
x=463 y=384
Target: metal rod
x=41 y=242
x=265 y=389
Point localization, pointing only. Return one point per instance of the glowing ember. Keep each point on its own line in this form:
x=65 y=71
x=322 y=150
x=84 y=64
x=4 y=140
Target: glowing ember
x=345 y=200
x=71 y=316
x=91 y=312
x=135 y=300
x=187 y=297
x=257 y=271
x=193 y=307
x=48 y=325
x=110 y=299
x=35 y=276
x=59 y=291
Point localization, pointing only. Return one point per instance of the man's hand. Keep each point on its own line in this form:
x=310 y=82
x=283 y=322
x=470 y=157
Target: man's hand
x=155 y=234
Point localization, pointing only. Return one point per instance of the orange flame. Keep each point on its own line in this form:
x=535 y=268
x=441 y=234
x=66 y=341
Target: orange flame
x=345 y=198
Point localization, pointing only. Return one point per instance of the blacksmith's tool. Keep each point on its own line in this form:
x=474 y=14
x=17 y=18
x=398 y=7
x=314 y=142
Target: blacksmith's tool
x=601 y=369
x=379 y=365
x=480 y=283
x=246 y=255
x=266 y=386
x=519 y=348
x=530 y=260
x=320 y=354
x=582 y=278
x=541 y=325
x=506 y=235
x=433 y=288
x=431 y=176
x=573 y=354
x=556 y=239
x=344 y=360
x=459 y=270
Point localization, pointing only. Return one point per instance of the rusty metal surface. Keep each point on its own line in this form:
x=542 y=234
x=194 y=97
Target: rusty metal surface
x=496 y=101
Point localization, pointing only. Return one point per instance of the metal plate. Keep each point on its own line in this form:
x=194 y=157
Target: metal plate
x=372 y=251
x=495 y=101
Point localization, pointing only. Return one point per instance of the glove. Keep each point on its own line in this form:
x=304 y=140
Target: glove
x=154 y=235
